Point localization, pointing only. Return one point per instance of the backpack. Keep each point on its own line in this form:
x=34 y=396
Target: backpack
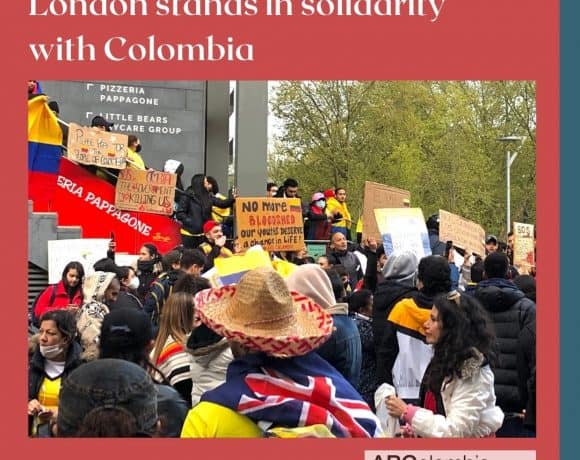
x=32 y=319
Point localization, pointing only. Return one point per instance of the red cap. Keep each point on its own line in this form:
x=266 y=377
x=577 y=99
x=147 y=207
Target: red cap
x=209 y=225
x=329 y=193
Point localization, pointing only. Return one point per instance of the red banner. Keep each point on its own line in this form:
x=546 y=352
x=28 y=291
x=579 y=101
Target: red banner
x=82 y=199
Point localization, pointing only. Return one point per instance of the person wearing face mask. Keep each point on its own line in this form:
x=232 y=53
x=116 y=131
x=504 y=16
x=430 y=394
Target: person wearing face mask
x=129 y=283
x=133 y=148
x=316 y=222
x=148 y=268
x=53 y=358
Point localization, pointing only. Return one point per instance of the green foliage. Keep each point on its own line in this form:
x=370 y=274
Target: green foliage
x=436 y=139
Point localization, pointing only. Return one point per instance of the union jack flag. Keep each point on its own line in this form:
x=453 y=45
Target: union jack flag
x=295 y=392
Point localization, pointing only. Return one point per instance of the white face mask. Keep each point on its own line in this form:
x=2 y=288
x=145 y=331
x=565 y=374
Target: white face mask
x=51 y=351
x=134 y=284
x=320 y=204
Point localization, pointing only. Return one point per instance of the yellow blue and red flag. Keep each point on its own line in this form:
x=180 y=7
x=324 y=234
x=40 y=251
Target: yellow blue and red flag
x=44 y=152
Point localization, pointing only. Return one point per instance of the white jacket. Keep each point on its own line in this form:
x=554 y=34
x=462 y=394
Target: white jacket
x=209 y=367
x=469 y=404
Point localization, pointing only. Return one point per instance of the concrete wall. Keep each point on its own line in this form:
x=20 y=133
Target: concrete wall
x=167 y=116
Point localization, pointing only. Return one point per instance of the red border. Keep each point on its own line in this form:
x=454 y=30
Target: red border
x=477 y=39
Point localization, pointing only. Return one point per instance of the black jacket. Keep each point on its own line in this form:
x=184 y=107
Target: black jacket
x=350 y=262
x=36 y=371
x=510 y=312
x=191 y=213
x=526 y=363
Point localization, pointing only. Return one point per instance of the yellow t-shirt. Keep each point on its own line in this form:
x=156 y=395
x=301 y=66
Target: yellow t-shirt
x=210 y=420
x=136 y=160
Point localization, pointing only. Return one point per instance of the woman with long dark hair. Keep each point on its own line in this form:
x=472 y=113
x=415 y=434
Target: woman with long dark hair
x=66 y=294
x=148 y=268
x=195 y=207
x=457 y=392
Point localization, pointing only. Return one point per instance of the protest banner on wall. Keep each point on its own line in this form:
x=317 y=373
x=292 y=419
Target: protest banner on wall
x=379 y=196
x=273 y=223
x=464 y=233
x=86 y=251
x=145 y=191
x=84 y=200
x=524 y=257
x=403 y=229
x=91 y=146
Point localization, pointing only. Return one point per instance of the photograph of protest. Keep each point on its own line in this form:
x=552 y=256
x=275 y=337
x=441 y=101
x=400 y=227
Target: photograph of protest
x=282 y=259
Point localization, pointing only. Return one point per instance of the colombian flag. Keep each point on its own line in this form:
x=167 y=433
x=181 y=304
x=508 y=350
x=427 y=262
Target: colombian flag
x=231 y=269
x=44 y=152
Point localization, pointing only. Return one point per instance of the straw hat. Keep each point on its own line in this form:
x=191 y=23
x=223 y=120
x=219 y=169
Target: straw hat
x=263 y=315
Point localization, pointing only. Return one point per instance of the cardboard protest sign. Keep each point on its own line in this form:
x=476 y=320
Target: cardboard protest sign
x=274 y=223
x=86 y=251
x=91 y=146
x=403 y=229
x=524 y=257
x=145 y=191
x=379 y=196
x=464 y=233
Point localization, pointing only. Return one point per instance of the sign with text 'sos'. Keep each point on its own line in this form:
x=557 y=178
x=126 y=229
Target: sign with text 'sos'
x=273 y=223
x=145 y=191
x=524 y=258
x=464 y=233
x=91 y=146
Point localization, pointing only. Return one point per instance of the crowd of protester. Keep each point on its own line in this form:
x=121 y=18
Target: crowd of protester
x=152 y=350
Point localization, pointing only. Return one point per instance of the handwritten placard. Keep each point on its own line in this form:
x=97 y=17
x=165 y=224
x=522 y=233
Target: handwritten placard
x=464 y=233
x=91 y=146
x=273 y=223
x=403 y=229
x=379 y=196
x=145 y=191
x=524 y=257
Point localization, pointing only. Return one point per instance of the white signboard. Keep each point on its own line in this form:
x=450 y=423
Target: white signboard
x=86 y=251
x=403 y=229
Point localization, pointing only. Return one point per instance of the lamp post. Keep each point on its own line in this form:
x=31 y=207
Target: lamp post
x=509 y=159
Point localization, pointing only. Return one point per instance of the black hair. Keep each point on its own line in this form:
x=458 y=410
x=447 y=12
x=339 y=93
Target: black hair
x=340 y=269
x=359 y=300
x=290 y=183
x=496 y=265
x=201 y=194
x=170 y=258
x=435 y=274
x=191 y=284
x=477 y=271
x=269 y=185
x=336 y=282
x=464 y=326
x=214 y=184
x=74 y=265
x=153 y=251
x=191 y=257
x=65 y=322
x=107 y=422
x=526 y=284
x=131 y=139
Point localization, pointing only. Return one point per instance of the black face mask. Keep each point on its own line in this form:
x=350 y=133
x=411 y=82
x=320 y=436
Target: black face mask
x=138 y=148
x=145 y=265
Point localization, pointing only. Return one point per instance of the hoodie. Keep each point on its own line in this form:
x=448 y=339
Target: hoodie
x=343 y=349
